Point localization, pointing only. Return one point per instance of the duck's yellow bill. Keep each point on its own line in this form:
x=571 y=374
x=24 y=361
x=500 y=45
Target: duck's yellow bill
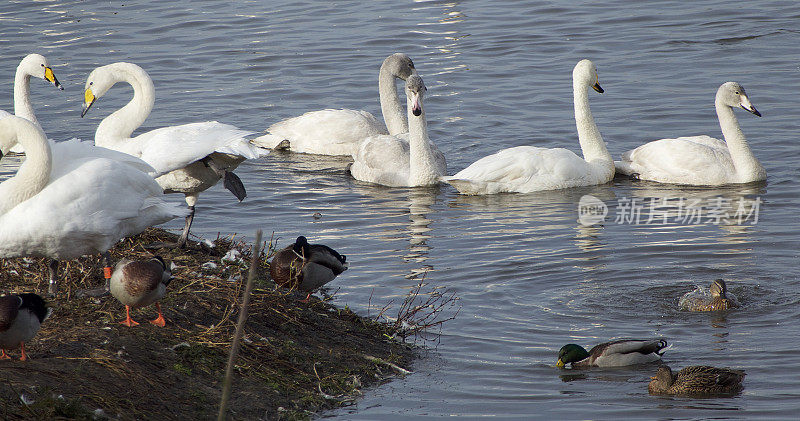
x=560 y=364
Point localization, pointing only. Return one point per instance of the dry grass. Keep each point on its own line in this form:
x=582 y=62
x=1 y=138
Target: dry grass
x=295 y=359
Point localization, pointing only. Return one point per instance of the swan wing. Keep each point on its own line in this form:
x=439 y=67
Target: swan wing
x=72 y=152
x=325 y=132
x=523 y=169
x=683 y=160
x=85 y=210
x=174 y=147
x=382 y=159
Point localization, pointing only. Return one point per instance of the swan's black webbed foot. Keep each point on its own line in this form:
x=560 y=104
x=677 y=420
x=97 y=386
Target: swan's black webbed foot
x=233 y=183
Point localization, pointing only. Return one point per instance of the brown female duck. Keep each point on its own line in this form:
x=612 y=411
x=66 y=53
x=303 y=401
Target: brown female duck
x=716 y=299
x=139 y=284
x=696 y=380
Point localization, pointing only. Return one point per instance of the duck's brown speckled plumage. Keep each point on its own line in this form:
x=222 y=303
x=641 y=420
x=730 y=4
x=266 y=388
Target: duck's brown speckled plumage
x=139 y=284
x=719 y=300
x=143 y=276
x=697 y=380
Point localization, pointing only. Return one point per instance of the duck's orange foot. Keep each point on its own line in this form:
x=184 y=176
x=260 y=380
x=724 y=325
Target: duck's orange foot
x=129 y=322
x=159 y=321
x=4 y=356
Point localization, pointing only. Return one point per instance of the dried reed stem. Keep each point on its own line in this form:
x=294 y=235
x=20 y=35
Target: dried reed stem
x=251 y=275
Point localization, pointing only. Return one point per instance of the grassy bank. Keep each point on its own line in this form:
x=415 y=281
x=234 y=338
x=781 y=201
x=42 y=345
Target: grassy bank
x=296 y=358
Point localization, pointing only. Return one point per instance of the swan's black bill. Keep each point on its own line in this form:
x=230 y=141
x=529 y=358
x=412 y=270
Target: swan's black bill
x=86 y=108
x=753 y=110
x=597 y=88
x=416 y=111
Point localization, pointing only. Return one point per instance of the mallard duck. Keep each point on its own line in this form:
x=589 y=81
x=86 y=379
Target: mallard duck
x=20 y=318
x=613 y=354
x=715 y=299
x=696 y=380
x=306 y=266
x=140 y=283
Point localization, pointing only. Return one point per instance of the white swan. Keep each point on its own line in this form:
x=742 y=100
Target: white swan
x=338 y=132
x=408 y=160
x=526 y=169
x=71 y=202
x=192 y=157
x=701 y=160
x=32 y=65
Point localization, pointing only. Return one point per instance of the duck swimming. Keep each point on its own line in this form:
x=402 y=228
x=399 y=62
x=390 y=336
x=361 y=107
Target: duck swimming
x=616 y=353
x=716 y=298
x=696 y=380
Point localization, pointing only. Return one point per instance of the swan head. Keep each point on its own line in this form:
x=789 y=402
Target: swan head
x=37 y=65
x=585 y=73
x=732 y=94
x=97 y=84
x=399 y=65
x=415 y=91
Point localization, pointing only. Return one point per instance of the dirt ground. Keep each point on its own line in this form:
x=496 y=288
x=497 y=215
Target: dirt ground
x=296 y=359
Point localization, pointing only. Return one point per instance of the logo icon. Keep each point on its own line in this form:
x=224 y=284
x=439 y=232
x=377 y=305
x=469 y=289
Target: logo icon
x=591 y=210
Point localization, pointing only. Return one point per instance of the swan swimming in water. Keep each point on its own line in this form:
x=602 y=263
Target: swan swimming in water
x=191 y=157
x=338 y=132
x=701 y=160
x=526 y=169
x=407 y=160
x=71 y=203
x=32 y=65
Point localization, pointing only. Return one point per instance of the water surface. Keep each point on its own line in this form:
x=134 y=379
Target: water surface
x=530 y=278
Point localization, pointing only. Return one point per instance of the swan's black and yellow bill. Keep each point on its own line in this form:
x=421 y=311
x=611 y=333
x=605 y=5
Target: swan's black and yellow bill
x=88 y=100
x=597 y=87
x=51 y=77
x=560 y=364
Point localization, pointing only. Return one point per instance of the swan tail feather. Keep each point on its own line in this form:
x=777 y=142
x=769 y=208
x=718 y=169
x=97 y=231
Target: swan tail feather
x=271 y=141
x=464 y=186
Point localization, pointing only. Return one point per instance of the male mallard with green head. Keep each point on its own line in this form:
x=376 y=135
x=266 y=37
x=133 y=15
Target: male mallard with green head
x=696 y=380
x=306 y=266
x=139 y=284
x=20 y=318
x=616 y=353
x=717 y=298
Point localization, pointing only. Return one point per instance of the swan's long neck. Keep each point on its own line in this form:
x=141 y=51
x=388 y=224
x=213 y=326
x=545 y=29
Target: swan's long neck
x=34 y=174
x=391 y=107
x=744 y=162
x=119 y=126
x=592 y=145
x=422 y=165
x=22 y=96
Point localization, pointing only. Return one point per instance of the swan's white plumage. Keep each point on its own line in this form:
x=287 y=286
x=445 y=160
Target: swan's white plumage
x=339 y=131
x=384 y=160
x=170 y=148
x=701 y=160
x=526 y=169
x=404 y=160
x=87 y=204
x=323 y=132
